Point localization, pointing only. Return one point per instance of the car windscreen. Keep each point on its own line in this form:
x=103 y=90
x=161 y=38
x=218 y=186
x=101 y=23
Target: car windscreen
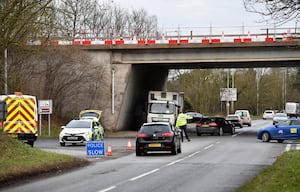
x=280 y=115
x=241 y=113
x=232 y=117
x=150 y=129
x=162 y=108
x=90 y=114
x=295 y=122
x=207 y=120
x=79 y=124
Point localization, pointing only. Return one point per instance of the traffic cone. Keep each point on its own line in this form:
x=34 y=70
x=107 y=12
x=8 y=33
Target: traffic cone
x=129 y=145
x=109 y=152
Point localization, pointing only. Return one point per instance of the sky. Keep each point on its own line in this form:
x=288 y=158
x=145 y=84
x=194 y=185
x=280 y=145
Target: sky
x=197 y=13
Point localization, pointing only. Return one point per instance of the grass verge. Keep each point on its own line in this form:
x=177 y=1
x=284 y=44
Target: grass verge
x=283 y=175
x=20 y=162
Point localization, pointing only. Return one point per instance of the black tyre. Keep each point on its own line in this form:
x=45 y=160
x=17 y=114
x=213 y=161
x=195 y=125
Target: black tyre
x=30 y=142
x=221 y=132
x=233 y=131
x=199 y=134
x=62 y=144
x=179 y=148
x=174 y=149
x=138 y=153
x=265 y=137
x=280 y=140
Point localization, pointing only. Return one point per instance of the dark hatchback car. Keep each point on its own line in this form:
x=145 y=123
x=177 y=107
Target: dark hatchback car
x=214 y=126
x=158 y=136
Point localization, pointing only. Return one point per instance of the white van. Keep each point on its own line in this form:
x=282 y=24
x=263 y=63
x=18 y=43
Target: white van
x=245 y=115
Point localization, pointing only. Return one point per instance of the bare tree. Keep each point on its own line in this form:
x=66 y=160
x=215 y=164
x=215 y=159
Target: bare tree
x=72 y=15
x=63 y=74
x=280 y=11
x=98 y=18
x=119 y=20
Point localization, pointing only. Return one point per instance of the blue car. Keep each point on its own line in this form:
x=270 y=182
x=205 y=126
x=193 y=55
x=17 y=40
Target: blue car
x=284 y=130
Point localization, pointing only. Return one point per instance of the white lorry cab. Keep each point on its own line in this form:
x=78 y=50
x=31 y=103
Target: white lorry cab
x=292 y=109
x=164 y=106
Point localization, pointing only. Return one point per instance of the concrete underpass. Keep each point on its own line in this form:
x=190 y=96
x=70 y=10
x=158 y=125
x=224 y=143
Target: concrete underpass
x=143 y=68
x=142 y=78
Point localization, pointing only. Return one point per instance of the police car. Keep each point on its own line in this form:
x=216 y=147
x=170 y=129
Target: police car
x=79 y=131
x=284 y=130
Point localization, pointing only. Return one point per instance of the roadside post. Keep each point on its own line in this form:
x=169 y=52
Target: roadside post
x=95 y=149
x=45 y=107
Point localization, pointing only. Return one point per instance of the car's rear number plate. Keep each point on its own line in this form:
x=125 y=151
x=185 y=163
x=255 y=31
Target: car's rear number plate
x=205 y=125
x=154 y=145
x=72 y=138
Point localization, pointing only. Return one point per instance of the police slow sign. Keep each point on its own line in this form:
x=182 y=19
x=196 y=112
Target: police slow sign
x=95 y=149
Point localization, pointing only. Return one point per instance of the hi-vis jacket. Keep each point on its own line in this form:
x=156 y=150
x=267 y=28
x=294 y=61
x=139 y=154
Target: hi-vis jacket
x=182 y=119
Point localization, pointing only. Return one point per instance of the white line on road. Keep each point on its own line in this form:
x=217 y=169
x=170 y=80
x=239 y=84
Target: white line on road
x=209 y=146
x=288 y=147
x=173 y=162
x=143 y=175
x=107 y=189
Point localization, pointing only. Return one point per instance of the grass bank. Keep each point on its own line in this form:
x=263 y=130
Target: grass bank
x=20 y=162
x=283 y=175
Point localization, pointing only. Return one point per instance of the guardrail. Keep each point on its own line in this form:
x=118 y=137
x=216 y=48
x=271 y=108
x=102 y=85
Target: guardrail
x=269 y=35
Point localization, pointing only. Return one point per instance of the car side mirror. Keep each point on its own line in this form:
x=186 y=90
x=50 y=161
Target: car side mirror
x=62 y=127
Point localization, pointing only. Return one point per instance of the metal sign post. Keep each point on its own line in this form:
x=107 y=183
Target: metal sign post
x=45 y=107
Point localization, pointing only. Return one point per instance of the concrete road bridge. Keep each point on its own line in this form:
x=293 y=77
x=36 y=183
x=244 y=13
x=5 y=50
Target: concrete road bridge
x=138 y=66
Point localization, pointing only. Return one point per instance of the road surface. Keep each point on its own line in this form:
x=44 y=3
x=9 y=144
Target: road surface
x=207 y=163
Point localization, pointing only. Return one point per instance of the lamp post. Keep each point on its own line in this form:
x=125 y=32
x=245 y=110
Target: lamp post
x=112 y=91
x=5 y=71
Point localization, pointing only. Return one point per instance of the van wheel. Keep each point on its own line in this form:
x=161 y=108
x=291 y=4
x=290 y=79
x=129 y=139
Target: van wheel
x=30 y=143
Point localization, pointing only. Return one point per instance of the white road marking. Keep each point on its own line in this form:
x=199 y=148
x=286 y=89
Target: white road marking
x=209 y=146
x=173 y=162
x=143 y=175
x=155 y=170
x=107 y=189
x=288 y=147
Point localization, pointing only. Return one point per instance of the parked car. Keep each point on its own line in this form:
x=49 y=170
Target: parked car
x=78 y=131
x=279 y=117
x=234 y=119
x=158 y=136
x=268 y=114
x=214 y=126
x=245 y=115
x=191 y=125
x=284 y=130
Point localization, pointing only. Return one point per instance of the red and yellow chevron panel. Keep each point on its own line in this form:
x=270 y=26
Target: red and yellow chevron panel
x=21 y=114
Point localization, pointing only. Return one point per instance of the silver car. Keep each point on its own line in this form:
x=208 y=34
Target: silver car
x=278 y=117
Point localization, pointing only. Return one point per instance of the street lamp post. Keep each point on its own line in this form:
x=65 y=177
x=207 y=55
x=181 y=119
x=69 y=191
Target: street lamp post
x=5 y=71
x=112 y=91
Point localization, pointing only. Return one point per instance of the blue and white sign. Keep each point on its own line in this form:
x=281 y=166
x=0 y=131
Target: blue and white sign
x=95 y=149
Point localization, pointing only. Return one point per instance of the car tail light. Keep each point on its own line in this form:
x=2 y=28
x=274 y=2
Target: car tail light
x=141 y=135
x=167 y=134
x=198 y=124
x=213 y=125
